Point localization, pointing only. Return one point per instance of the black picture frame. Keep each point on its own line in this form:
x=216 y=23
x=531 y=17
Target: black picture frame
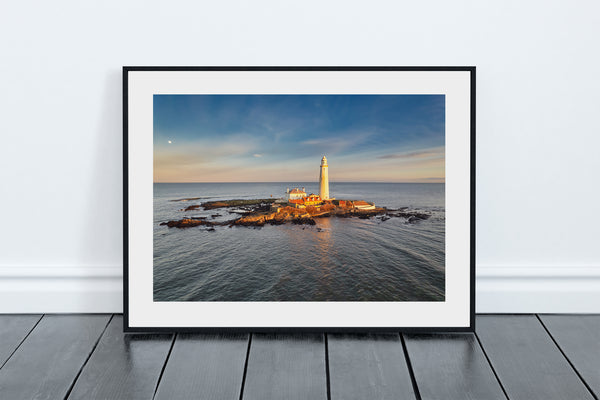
x=127 y=279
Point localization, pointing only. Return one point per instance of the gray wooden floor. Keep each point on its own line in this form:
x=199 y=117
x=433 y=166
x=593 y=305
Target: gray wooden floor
x=510 y=356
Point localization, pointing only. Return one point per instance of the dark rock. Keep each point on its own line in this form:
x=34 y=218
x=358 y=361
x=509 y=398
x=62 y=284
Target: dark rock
x=303 y=221
x=189 y=223
x=209 y=205
x=416 y=217
x=191 y=208
x=411 y=216
x=184 y=223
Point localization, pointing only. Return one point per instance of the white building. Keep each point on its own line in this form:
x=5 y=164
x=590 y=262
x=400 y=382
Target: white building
x=295 y=194
x=363 y=205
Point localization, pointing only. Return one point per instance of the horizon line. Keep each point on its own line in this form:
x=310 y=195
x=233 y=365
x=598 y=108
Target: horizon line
x=315 y=182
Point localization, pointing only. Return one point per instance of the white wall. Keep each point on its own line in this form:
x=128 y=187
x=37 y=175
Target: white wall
x=538 y=127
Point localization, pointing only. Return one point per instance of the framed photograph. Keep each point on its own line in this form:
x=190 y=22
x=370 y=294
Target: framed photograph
x=299 y=198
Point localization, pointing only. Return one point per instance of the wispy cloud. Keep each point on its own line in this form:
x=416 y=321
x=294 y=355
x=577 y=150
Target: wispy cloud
x=175 y=162
x=257 y=155
x=436 y=152
x=337 y=142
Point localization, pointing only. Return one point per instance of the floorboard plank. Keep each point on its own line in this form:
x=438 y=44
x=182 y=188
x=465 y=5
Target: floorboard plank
x=526 y=360
x=13 y=329
x=209 y=367
x=46 y=364
x=579 y=338
x=368 y=366
x=451 y=366
x=286 y=366
x=123 y=366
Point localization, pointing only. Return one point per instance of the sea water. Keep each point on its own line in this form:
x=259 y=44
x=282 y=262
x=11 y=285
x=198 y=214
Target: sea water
x=338 y=259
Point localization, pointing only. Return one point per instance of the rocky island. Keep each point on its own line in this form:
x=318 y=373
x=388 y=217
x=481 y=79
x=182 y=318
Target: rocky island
x=260 y=212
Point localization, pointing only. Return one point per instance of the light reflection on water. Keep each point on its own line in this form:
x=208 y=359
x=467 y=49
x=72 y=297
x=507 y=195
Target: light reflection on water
x=339 y=259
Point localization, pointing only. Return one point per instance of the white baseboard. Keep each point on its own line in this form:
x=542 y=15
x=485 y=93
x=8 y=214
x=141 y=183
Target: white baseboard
x=499 y=289
x=51 y=289
x=519 y=290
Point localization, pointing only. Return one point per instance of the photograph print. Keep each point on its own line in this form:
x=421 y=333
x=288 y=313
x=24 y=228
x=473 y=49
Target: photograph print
x=299 y=198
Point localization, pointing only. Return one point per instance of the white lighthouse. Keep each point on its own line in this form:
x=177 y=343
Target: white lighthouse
x=324 y=180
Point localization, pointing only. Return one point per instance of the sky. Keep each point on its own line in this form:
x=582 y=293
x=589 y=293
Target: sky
x=282 y=138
